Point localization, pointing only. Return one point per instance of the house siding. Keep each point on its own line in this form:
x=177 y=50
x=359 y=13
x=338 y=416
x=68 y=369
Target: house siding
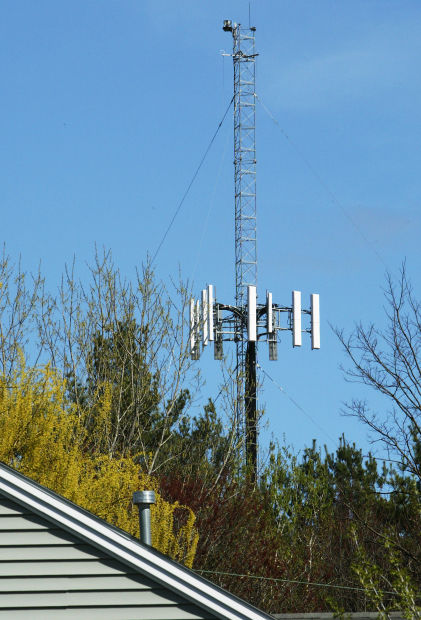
x=45 y=572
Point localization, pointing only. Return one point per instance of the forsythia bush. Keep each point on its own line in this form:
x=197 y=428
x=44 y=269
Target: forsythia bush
x=42 y=436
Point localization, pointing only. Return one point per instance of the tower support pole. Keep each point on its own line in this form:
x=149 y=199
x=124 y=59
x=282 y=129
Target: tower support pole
x=251 y=410
x=244 y=60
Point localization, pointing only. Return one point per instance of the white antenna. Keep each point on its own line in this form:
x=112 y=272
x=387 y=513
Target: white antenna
x=194 y=329
x=197 y=328
x=205 y=311
x=296 y=319
x=269 y=312
x=251 y=314
x=191 y=316
x=210 y=313
x=315 y=321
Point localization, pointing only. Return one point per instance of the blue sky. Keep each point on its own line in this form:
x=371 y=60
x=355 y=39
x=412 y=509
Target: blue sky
x=107 y=107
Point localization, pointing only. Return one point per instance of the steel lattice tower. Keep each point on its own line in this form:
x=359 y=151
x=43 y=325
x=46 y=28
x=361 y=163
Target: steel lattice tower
x=248 y=321
x=244 y=57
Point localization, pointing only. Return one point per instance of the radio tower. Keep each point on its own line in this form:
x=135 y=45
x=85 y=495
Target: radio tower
x=244 y=59
x=247 y=322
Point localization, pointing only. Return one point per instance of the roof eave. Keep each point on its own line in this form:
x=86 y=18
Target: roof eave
x=124 y=548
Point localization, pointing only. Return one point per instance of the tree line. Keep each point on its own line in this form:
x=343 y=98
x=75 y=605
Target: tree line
x=98 y=398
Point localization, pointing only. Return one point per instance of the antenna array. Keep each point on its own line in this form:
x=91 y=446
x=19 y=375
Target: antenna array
x=213 y=321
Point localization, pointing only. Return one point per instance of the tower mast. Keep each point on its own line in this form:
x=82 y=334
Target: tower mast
x=247 y=322
x=244 y=60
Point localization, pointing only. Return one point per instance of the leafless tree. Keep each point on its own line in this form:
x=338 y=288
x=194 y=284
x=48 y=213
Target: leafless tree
x=122 y=347
x=129 y=337
x=20 y=295
x=388 y=360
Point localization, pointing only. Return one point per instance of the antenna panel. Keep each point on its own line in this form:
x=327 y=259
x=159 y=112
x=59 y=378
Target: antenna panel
x=273 y=349
x=205 y=311
x=269 y=312
x=210 y=313
x=191 y=317
x=251 y=314
x=315 y=321
x=218 y=350
x=194 y=329
x=296 y=319
x=197 y=330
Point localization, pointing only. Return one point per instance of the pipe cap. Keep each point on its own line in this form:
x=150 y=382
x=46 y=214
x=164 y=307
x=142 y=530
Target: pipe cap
x=144 y=497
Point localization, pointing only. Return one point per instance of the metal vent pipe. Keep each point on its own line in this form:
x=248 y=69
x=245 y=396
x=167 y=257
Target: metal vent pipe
x=143 y=500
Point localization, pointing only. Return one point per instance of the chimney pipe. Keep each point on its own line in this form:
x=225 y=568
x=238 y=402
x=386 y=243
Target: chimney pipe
x=144 y=499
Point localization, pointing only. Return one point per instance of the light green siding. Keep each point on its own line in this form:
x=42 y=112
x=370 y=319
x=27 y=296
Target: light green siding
x=46 y=572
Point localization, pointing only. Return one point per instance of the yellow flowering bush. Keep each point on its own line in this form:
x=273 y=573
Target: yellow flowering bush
x=43 y=437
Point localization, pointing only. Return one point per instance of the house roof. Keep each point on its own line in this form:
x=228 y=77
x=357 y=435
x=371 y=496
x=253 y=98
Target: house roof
x=356 y=615
x=119 y=545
